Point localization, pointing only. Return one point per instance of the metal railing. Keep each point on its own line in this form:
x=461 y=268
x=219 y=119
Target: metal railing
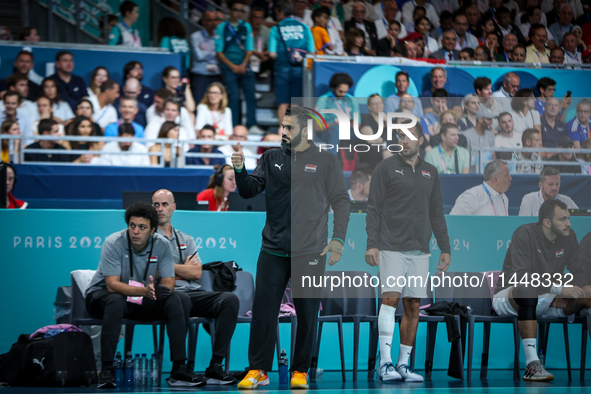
x=308 y=74
x=176 y=160
x=540 y=151
x=84 y=15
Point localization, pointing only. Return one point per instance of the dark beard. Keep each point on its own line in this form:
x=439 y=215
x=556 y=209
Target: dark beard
x=287 y=146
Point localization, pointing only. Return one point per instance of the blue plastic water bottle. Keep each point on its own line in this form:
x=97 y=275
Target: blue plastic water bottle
x=283 y=364
x=137 y=371
x=118 y=366
x=128 y=370
x=145 y=369
x=154 y=382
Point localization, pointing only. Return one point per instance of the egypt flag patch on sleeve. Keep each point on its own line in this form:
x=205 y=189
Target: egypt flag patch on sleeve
x=426 y=174
x=310 y=168
x=153 y=259
x=183 y=246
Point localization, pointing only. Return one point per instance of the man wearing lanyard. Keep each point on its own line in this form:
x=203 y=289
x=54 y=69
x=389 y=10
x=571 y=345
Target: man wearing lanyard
x=448 y=157
x=448 y=45
x=390 y=15
x=563 y=25
x=104 y=111
x=533 y=284
x=488 y=198
x=337 y=98
x=572 y=54
x=123 y=287
x=259 y=61
x=405 y=207
x=295 y=35
x=122 y=33
x=233 y=44
x=537 y=51
x=205 y=69
x=222 y=306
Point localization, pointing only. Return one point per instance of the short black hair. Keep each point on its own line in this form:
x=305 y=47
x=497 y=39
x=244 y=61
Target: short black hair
x=503 y=10
x=298 y=115
x=340 y=79
x=231 y=3
x=447 y=127
x=109 y=84
x=469 y=51
x=402 y=73
x=126 y=7
x=173 y=100
x=445 y=15
x=548 y=208
x=26 y=53
x=45 y=125
x=565 y=142
x=480 y=83
x=126 y=128
x=59 y=55
x=535 y=26
x=128 y=67
x=318 y=12
x=544 y=83
x=440 y=93
x=144 y=210
x=359 y=175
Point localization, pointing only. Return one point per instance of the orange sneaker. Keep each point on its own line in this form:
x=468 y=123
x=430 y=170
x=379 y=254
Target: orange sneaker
x=299 y=380
x=253 y=379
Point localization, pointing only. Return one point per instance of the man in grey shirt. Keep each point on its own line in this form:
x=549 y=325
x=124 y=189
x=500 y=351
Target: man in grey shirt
x=123 y=287
x=223 y=306
x=549 y=188
x=480 y=137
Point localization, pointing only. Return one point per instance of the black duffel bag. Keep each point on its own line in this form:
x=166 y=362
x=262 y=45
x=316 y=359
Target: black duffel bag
x=65 y=359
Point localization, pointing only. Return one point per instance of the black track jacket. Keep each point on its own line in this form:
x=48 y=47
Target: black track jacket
x=298 y=192
x=404 y=205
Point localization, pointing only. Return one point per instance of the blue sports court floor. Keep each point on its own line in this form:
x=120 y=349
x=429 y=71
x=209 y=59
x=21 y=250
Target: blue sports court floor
x=499 y=382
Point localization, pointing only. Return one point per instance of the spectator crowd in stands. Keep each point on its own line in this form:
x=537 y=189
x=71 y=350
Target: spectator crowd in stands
x=219 y=63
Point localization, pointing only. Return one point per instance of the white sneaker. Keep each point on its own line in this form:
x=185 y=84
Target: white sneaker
x=408 y=374
x=536 y=372
x=387 y=373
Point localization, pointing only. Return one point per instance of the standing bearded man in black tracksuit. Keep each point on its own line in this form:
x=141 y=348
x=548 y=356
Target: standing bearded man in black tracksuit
x=301 y=183
x=404 y=206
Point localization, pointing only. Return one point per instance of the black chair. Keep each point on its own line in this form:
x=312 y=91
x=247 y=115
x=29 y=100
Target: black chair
x=206 y=282
x=479 y=299
x=349 y=305
x=80 y=317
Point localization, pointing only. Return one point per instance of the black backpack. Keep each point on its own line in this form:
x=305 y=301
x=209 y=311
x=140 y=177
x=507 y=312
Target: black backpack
x=65 y=359
x=224 y=274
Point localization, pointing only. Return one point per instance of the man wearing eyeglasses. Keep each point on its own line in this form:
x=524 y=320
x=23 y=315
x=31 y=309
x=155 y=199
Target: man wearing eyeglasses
x=579 y=128
x=234 y=46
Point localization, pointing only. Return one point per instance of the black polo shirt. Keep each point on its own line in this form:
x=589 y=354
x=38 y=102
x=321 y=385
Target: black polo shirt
x=551 y=135
x=72 y=91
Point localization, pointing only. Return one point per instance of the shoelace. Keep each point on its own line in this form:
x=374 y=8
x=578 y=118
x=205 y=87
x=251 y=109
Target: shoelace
x=408 y=368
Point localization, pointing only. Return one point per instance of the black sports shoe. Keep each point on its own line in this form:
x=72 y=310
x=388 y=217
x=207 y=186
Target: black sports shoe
x=216 y=375
x=185 y=378
x=107 y=379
